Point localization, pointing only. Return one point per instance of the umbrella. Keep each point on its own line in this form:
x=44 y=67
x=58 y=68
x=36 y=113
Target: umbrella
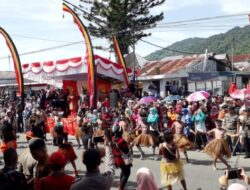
x=172 y=98
x=147 y=99
x=197 y=96
x=241 y=94
x=232 y=88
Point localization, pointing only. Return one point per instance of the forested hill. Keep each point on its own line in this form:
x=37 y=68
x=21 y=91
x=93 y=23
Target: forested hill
x=221 y=43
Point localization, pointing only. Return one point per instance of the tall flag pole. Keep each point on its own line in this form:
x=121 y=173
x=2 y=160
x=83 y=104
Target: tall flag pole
x=121 y=60
x=89 y=56
x=16 y=61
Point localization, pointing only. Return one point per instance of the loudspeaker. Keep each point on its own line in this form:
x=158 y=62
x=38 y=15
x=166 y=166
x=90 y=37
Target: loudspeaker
x=113 y=97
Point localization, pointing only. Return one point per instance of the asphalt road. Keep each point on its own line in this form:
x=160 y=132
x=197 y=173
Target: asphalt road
x=198 y=173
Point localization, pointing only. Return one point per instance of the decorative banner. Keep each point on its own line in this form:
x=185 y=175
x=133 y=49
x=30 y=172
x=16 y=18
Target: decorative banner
x=121 y=60
x=17 y=62
x=89 y=56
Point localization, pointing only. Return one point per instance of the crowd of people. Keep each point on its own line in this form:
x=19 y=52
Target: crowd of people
x=217 y=126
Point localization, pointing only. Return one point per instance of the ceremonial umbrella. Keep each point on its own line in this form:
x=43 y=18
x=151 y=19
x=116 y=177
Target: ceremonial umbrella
x=172 y=98
x=197 y=96
x=147 y=100
x=241 y=94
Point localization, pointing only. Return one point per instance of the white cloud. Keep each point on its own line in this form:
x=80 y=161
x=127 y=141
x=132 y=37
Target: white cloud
x=234 y=6
x=45 y=10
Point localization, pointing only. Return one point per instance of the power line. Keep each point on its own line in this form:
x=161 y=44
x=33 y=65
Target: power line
x=177 y=51
x=46 y=49
x=36 y=38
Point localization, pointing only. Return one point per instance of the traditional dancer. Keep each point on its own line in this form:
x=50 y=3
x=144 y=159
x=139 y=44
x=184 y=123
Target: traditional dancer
x=145 y=138
x=171 y=166
x=180 y=138
x=78 y=131
x=218 y=148
x=126 y=135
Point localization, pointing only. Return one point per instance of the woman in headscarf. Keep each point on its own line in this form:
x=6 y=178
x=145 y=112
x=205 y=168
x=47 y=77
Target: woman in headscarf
x=145 y=180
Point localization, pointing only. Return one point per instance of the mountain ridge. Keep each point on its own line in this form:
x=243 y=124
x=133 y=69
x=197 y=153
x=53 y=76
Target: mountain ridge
x=219 y=43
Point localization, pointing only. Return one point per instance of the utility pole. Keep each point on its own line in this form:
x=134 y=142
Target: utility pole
x=9 y=61
x=134 y=64
x=232 y=60
x=205 y=61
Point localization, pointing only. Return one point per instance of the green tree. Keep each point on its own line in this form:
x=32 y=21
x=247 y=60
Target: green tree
x=127 y=19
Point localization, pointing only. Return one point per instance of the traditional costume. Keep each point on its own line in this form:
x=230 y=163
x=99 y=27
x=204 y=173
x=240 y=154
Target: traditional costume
x=217 y=148
x=171 y=167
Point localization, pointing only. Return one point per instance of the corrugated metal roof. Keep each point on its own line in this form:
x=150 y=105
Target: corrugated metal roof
x=9 y=77
x=241 y=58
x=168 y=66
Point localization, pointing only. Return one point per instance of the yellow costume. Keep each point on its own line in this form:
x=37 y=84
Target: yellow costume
x=171 y=172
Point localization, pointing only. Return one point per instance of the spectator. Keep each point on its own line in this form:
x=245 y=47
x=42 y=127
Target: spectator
x=57 y=178
x=38 y=151
x=27 y=165
x=8 y=136
x=145 y=180
x=236 y=186
x=10 y=179
x=93 y=179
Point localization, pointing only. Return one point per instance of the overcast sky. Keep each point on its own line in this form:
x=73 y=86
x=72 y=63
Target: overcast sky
x=39 y=24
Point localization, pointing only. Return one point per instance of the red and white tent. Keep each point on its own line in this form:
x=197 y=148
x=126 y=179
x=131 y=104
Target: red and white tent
x=54 y=72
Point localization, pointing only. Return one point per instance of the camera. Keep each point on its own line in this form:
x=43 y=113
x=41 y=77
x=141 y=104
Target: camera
x=98 y=139
x=234 y=173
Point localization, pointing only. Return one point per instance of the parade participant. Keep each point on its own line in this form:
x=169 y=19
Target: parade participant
x=94 y=119
x=186 y=119
x=57 y=179
x=171 y=166
x=39 y=152
x=122 y=156
x=20 y=121
x=178 y=107
x=180 y=138
x=223 y=111
x=214 y=113
x=145 y=180
x=246 y=132
x=72 y=103
x=231 y=124
x=78 y=131
x=87 y=131
x=171 y=115
x=145 y=138
x=10 y=179
x=199 y=118
x=163 y=119
x=218 y=148
x=127 y=136
x=8 y=137
x=36 y=126
x=100 y=131
x=128 y=110
x=69 y=153
x=93 y=179
x=153 y=119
